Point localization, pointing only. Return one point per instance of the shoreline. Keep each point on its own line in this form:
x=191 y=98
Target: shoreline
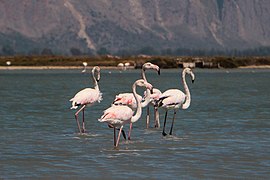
x=102 y=67
x=53 y=67
x=255 y=67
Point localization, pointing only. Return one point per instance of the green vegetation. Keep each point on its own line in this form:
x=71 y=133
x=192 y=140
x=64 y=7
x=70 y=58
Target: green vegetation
x=162 y=61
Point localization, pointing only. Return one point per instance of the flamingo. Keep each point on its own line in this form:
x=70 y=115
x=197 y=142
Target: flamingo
x=154 y=96
x=87 y=96
x=129 y=99
x=118 y=116
x=175 y=99
x=153 y=101
x=84 y=65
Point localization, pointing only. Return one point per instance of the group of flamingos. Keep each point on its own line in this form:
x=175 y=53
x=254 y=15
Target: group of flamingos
x=127 y=107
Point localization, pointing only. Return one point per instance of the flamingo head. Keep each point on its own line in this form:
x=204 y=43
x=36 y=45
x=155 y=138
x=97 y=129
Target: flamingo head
x=189 y=71
x=143 y=83
x=96 y=71
x=149 y=65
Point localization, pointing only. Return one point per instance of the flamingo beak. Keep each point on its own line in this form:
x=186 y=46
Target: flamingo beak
x=158 y=71
x=192 y=80
x=151 y=90
x=117 y=99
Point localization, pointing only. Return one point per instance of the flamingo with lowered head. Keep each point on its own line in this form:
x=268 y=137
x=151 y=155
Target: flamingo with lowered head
x=129 y=99
x=118 y=116
x=175 y=99
x=153 y=101
x=87 y=96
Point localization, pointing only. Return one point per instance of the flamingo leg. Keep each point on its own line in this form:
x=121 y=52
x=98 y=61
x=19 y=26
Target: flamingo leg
x=123 y=132
x=157 y=123
x=114 y=137
x=117 y=142
x=129 y=133
x=147 y=117
x=77 y=120
x=172 y=122
x=163 y=132
x=83 y=124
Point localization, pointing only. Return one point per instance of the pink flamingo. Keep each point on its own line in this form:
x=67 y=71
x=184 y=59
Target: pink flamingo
x=153 y=101
x=87 y=96
x=118 y=116
x=175 y=99
x=128 y=98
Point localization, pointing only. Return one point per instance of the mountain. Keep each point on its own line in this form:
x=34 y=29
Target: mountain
x=111 y=26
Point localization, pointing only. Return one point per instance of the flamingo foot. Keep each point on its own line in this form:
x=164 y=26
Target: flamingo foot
x=164 y=134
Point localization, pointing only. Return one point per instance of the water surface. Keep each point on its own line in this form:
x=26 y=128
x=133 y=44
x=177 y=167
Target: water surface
x=223 y=135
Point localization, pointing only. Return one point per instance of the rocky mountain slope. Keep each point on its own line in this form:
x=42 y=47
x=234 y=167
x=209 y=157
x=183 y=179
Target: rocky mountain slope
x=72 y=26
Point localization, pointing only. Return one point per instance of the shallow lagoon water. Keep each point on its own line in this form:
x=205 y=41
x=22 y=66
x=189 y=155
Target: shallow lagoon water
x=223 y=135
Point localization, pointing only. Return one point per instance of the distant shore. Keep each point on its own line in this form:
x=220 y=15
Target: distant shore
x=114 y=62
x=255 y=67
x=53 y=67
x=102 y=67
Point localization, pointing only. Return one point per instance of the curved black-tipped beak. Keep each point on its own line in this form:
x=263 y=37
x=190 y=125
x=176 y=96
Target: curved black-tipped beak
x=151 y=91
x=192 y=80
x=158 y=72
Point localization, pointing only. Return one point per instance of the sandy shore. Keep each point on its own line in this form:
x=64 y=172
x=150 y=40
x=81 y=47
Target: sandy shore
x=254 y=67
x=51 y=67
x=102 y=67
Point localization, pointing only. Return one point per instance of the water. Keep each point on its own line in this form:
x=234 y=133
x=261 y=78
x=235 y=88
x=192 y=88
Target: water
x=223 y=135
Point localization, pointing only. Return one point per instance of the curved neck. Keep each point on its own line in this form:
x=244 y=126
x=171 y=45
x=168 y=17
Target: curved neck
x=188 y=97
x=143 y=74
x=95 y=80
x=138 y=113
x=147 y=98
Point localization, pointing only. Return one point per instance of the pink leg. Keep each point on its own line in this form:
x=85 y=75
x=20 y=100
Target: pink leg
x=114 y=137
x=83 y=124
x=129 y=133
x=147 y=117
x=77 y=120
x=157 y=123
x=117 y=142
x=173 y=122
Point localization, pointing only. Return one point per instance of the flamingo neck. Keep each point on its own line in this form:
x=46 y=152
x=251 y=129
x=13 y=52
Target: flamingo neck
x=138 y=113
x=95 y=81
x=188 y=97
x=143 y=74
x=147 y=98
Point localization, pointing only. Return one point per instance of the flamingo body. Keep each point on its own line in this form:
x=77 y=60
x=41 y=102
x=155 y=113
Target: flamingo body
x=126 y=99
x=117 y=115
x=87 y=96
x=172 y=99
x=155 y=96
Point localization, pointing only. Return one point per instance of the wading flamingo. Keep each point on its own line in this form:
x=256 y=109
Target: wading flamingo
x=153 y=101
x=175 y=99
x=87 y=96
x=154 y=96
x=118 y=116
x=128 y=98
